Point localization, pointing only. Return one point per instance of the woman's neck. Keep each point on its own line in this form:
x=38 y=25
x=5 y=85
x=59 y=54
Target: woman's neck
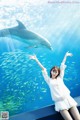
x=54 y=78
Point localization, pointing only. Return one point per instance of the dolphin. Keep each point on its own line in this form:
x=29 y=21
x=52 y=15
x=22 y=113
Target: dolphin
x=30 y=38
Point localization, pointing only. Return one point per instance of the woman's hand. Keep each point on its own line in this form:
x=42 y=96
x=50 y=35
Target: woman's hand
x=69 y=54
x=36 y=59
x=33 y=57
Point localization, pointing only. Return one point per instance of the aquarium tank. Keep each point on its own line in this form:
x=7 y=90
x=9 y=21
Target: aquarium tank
x=46 y=29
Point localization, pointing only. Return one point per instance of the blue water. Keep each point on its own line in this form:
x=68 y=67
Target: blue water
x=22 y=87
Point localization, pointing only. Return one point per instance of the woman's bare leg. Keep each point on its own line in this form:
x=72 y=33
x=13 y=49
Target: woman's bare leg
x=65 y=114
x=75 y=113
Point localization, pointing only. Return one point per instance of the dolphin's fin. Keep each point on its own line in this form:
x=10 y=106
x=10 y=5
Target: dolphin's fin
x=33 y=46
x=20 y=25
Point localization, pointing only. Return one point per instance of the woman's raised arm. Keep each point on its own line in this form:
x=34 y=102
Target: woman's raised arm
x=44 y=71
x=36 y=59
x=63 y=66
x=65 y=57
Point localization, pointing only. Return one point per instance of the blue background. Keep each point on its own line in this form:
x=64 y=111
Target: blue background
x=22 y=86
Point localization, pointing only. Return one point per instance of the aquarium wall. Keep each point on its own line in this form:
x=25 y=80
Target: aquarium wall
x=46 y=29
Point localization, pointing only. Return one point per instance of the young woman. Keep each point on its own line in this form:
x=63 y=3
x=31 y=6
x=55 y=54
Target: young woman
x=59 y=92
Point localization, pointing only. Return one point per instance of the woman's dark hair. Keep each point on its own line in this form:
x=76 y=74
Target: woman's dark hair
x=53 y=68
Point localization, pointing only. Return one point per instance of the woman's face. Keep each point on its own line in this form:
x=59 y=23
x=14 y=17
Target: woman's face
x=54 y=73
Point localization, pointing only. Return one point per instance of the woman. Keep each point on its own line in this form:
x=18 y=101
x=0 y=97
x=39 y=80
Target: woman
x=59 y=92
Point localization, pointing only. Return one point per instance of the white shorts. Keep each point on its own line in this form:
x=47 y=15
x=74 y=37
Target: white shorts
x=67 y=103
